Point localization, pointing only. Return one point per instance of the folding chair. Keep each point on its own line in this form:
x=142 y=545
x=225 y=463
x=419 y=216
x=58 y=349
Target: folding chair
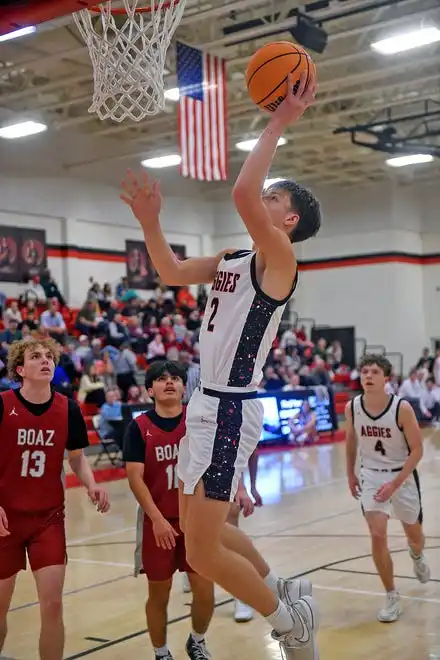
x=109 y=448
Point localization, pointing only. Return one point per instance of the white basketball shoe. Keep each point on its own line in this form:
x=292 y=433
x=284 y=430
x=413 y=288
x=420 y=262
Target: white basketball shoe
x=421 y=568
x=301 y=646
x=392 y=610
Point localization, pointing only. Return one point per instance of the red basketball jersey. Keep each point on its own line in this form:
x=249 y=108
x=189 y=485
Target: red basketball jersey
x=160 y=472
x=31 y=455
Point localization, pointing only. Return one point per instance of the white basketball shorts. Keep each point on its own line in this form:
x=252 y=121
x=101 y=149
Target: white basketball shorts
x=221 y=434
x=405 y=504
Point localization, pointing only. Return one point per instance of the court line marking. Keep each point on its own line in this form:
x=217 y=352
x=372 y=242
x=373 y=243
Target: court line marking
x=103 y=535
x=100 y=562
x=363 y=592
x=350 y=570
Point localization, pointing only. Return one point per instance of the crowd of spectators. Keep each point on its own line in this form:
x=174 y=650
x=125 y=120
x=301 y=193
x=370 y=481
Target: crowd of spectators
x=421 y=387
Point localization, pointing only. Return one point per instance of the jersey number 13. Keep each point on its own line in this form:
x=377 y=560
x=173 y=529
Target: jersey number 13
x=33 y=463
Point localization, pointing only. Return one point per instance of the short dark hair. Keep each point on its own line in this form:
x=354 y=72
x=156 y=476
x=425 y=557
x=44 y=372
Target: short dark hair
x=382 y=362
x=162 y=367
x=306 y=205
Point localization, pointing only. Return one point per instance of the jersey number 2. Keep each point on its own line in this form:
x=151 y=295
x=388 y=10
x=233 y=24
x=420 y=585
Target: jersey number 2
x=214 y=307
x=379 y=447
x=173 y=479
x=33 y=463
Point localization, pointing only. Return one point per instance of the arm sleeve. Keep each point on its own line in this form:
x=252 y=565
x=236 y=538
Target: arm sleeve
x=77 y=434
x=134 y=445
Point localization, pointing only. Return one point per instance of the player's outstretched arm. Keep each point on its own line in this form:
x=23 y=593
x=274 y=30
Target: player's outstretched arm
x=351 y=452
x=249 y=185
x=145 y=200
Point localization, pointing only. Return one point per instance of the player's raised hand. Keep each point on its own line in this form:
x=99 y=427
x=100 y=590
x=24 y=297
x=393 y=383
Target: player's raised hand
x=99 y=497
x=142 y=196
x=4 y=531
x=354 y=485
x=165 y=534
x=298 y=99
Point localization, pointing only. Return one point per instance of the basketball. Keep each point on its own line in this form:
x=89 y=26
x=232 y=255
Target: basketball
x=268 y=68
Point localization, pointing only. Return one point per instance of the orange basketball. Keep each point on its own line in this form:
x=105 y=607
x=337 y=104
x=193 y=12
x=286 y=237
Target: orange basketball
x=267 y=71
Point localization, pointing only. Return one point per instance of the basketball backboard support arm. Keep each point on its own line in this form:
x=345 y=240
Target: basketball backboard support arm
x=18 y=14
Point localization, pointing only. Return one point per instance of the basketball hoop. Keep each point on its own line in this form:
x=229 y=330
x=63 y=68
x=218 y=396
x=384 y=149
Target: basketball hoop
x=128 y=44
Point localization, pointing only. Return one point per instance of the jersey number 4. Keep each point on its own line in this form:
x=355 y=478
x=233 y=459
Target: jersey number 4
x=173 y=479
x=33 y=463
x=379 y=447
x=214 y=306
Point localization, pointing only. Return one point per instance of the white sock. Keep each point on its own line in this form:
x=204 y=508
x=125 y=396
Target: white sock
x=197 y=637
x=163 y=651
x=392 y=593
x=282 y=621
x=271 y=581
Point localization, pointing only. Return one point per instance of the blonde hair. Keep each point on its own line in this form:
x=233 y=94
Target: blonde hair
x=18 y=348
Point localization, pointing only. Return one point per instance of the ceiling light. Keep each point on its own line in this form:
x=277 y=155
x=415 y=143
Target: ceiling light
x=411 y=159
x=162 y=161
x=172 y=94
x=407 y=41
x=22 y=129
x=248 y=145
x=16 y=34
x=270 y=182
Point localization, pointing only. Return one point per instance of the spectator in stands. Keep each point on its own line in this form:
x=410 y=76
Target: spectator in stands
x=272 y=381
x=12 y=313
x=121 y=288
x=179 y=328
x=52 y=322
x=51 y=287
x=26 y=333
x=426 y=360
x=156 y=349
x=125 y=369
x=194 y=322
x=137 y=395
x=87 y=321
x=411 y=387
x=12 y=333
x=91 y=387
x=117 y=331
x=105 y=297
x=80 y=353
x=319 y=374
x=335 y=353
x=429 y=403
x=34 y=292
x=293 y=384
x=135 y=335
x=288 y=340
x=185 y=300
x=110 y=419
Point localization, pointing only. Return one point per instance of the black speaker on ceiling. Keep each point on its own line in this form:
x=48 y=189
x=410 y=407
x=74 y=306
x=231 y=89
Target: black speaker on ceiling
x=309 y=35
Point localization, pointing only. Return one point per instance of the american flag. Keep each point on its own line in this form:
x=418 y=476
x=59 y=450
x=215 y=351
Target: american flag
x=201 y=79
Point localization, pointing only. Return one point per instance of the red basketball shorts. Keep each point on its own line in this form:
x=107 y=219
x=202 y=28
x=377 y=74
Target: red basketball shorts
x=158 y=564
x=40 y=536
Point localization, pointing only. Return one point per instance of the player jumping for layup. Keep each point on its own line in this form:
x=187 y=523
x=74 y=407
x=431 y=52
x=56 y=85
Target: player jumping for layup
x=250 y=290
x=36 y=427
x=385 y=430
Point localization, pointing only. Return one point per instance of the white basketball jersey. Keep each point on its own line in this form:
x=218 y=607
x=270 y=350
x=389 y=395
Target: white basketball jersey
x=381 y=442
x=239 y=326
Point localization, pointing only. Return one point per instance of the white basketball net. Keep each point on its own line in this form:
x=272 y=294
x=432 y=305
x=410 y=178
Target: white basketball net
x=128 y=56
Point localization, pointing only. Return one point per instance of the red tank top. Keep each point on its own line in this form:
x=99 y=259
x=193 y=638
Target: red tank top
x=32 y=454
x=160 y=472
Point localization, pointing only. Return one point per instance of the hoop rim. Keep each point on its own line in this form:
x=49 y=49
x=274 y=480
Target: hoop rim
x=96 y=9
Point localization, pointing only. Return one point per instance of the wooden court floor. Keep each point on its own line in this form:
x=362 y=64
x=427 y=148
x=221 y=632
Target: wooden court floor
x=309 y=525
